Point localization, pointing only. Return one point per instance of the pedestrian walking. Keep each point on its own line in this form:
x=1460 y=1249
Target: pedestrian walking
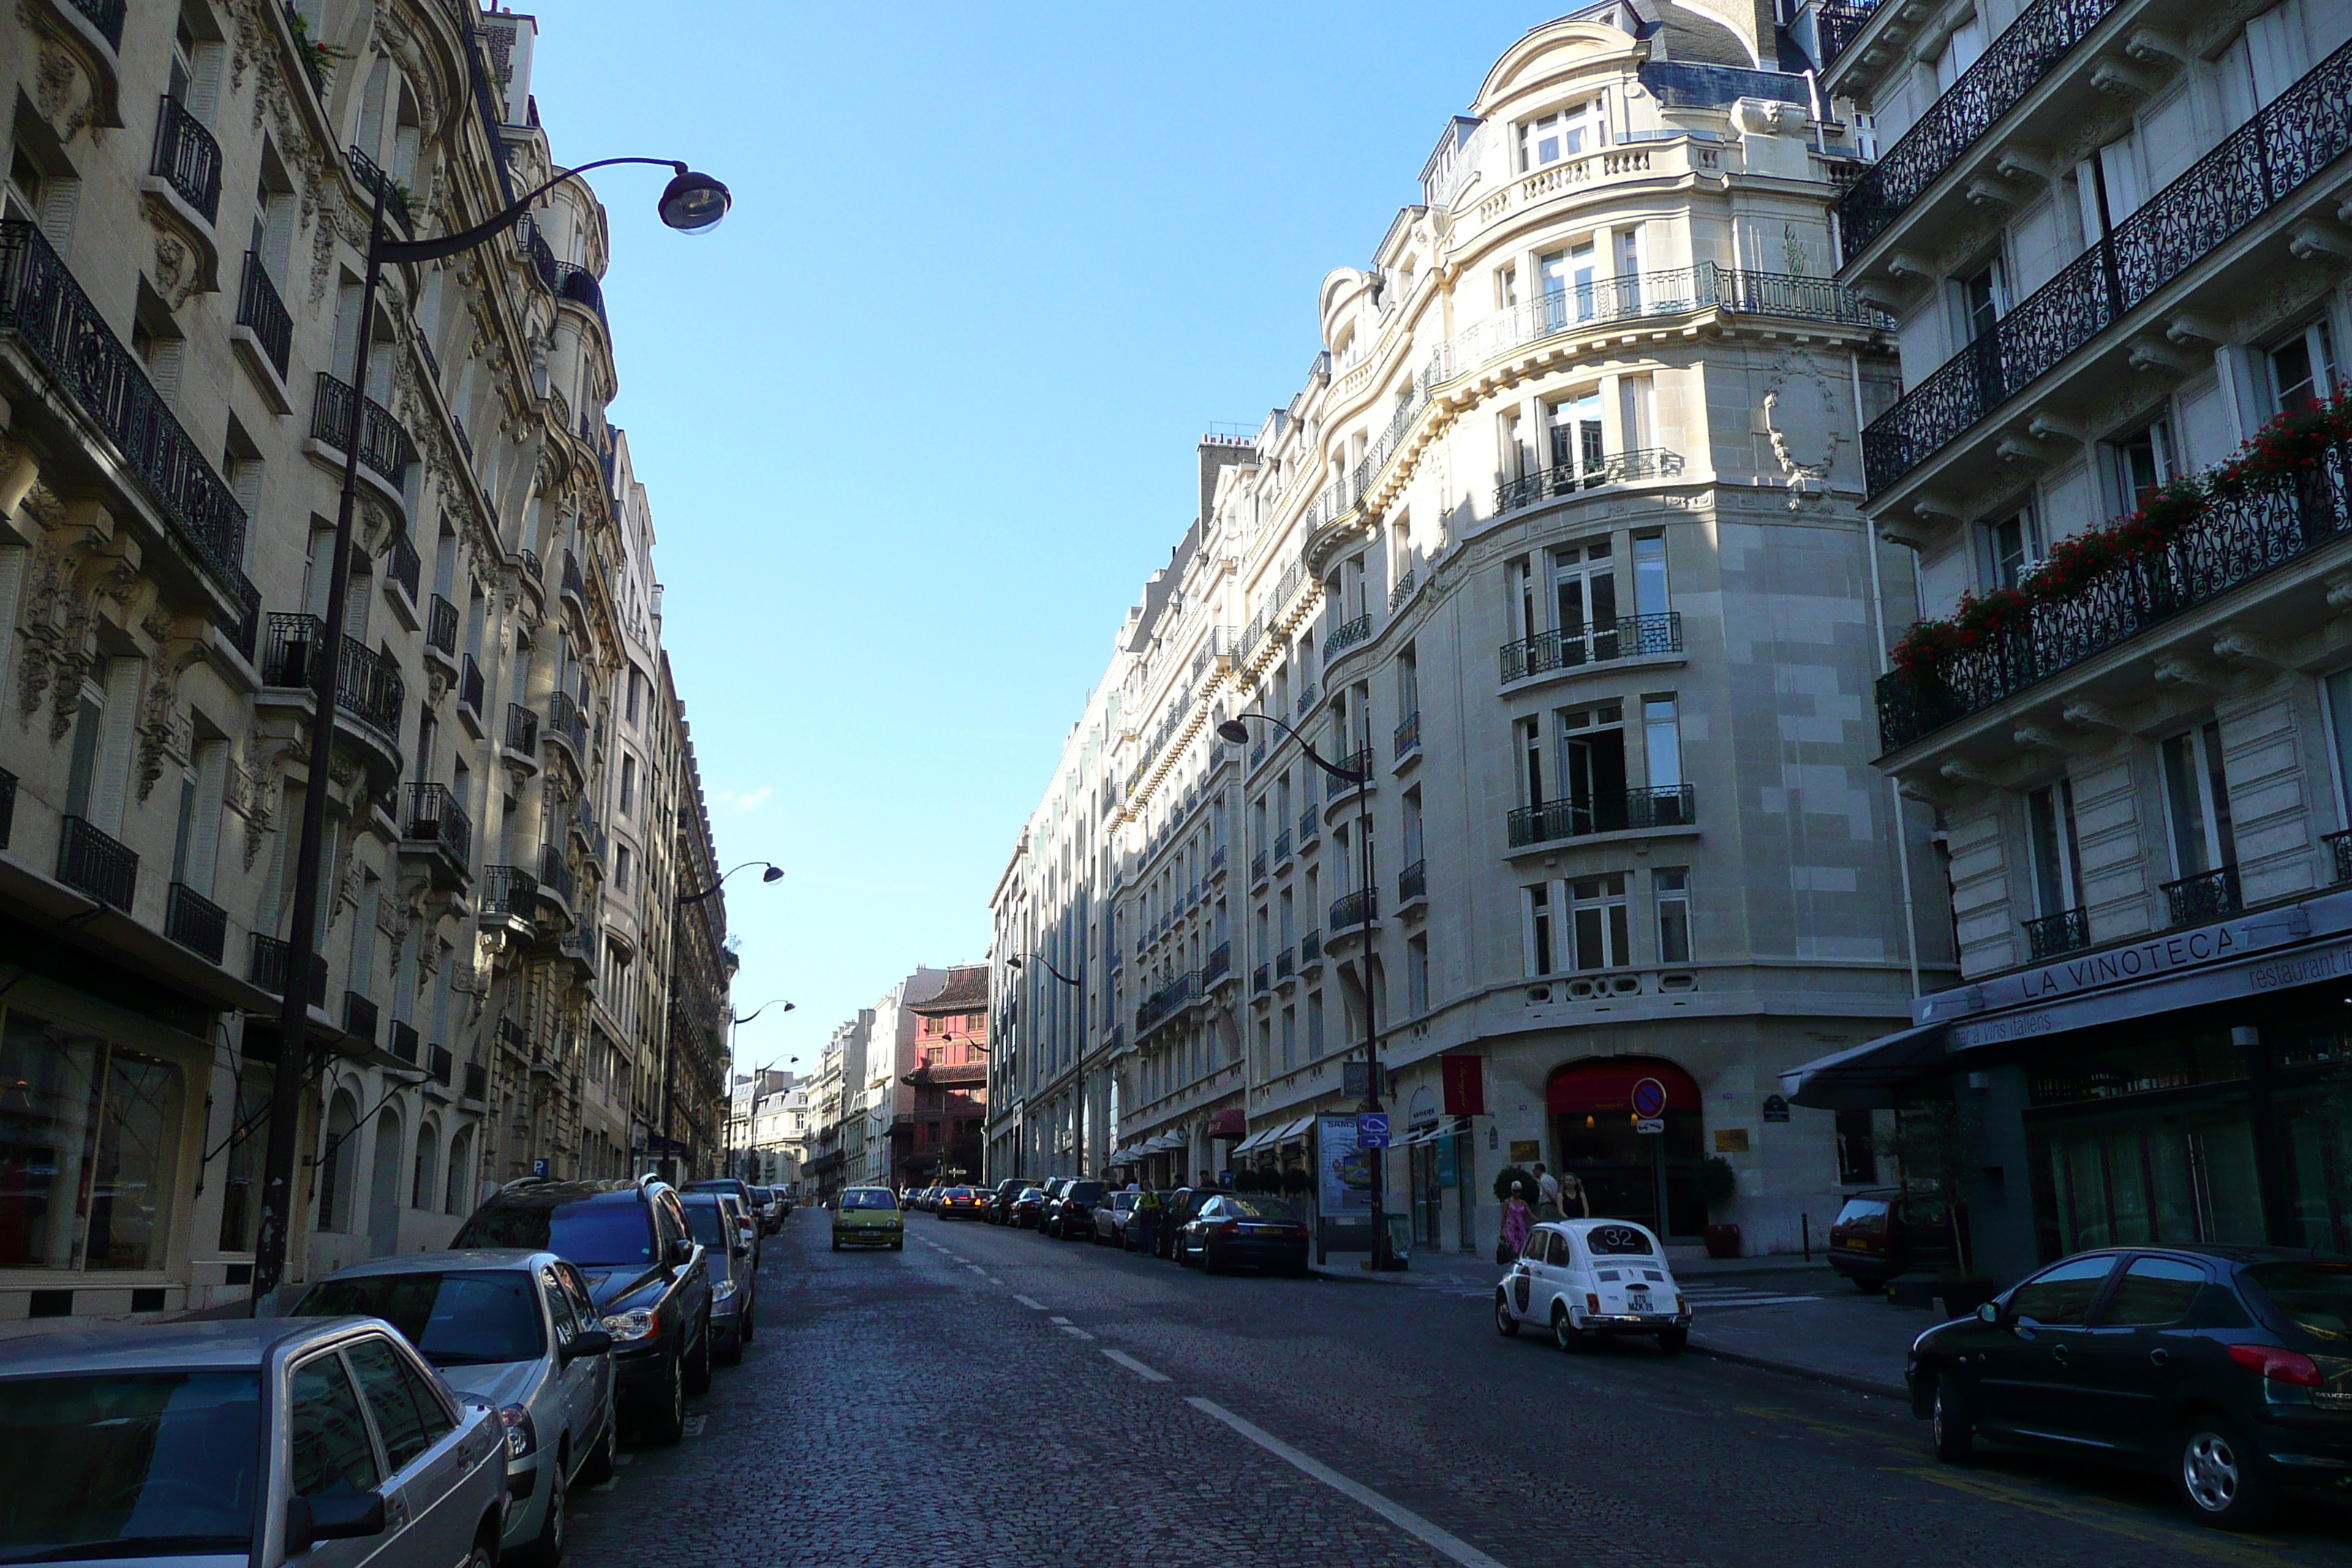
x=1546 y=1195
x=1147 y=1223
x=1517 y=1222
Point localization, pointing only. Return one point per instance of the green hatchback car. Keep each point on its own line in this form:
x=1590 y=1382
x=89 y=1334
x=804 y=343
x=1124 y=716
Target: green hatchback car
x=869 y=1217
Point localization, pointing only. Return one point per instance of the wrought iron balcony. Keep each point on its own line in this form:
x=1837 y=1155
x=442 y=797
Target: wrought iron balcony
x=522 y=730
x=195 y=922
x=400 y=564
x=384 y=446
x=1347 y=635
x=268 y=969
x=441 y=1065
x=1413 y=882
x=1168 y=1000
x=377 y=182
x=2239 y=537
x=2286 y=144
x=574 y=585
x=403 y=1041
x=1310 y=828
x=1408 y=733
x=441 y=625
x=577 y=284
x=508 y=892
x=555 y=878
x=1285 y=967
x=1257 y=866
x=1360 y=763
x=530 y=565
x=187 y=158
x=1358 y=908
x=260 y=312
x=1836 y=22
x=1282 y=848
x=2068 y=930
x=2339 y=853
x=1307 y=696
x=469 y=686
x=47 y=311
x=1403 y=589
x=1261 y=980
x=1620 y=811
x=565 y=724
x=2045 y=34
x=435 y=817
x=7 y=806
x=95 y=864
x=106 y=16
x=2208 y=896
x=477 y=1077
x=1633 y=636
x=359 y=1017
x=1217 y=858
x=1567 y=479
x=367 y=684
x=1219 y=964
x=1310 y=949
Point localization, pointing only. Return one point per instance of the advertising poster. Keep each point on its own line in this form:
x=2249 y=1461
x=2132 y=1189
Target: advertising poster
x=1344 y=1175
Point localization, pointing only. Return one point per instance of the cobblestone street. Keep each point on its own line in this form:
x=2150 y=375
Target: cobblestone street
x=989 y=1396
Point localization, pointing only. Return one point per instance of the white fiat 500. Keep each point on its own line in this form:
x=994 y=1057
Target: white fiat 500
x=1586 y=1278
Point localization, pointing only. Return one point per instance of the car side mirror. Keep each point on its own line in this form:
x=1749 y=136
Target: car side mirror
x=1988 y=1312
x=742 y=1251
x=337 y=1515
x=681 y=1252
x=590 y=1341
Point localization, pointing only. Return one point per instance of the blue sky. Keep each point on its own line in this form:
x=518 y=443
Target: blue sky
x=918 y=420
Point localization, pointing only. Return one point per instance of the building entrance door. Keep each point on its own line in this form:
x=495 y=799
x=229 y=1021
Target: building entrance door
x=1633 y=1165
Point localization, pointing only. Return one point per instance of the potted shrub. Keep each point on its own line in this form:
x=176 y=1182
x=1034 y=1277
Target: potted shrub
x=1294 y=1179
x=1718 y=1184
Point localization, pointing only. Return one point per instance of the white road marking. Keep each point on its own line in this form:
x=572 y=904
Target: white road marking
x=975 y=1268
x=992 y=1279
x=1148 y=1374
x=1440 y=1540
x=1076 y=1332
x=1064 y=1322
x=1032 y=1306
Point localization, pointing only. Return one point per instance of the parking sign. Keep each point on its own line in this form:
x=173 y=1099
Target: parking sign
x=1372 y=1130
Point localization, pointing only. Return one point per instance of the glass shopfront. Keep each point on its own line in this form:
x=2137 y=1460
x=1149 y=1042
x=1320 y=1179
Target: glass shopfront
x=90 y=1153
x=1628 y=1128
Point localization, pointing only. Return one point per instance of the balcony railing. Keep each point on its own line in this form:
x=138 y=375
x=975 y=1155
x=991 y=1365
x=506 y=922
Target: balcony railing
x=359 y=1017
x=522 y=729
x=1618 y=811
x=508 y=892
x=1219 y=964
x=477 y=1077
x=530 y=565
x=1282 y=848
x=195 y=922
x=1261 y=980
x=7 y=806
x=573 y=583
x=1634 y=637
x=2068 y=930
x=1257 y=866
x=367 y=686
x=579 y=285
x=1358 y=908
x=1310 y=828
x=1310 y=949
x=441 y=625
x=435 y=817
x=1413 y=882
x=1408 y=733
x=1567 y=479
x=1169 y=1000
x=384 y=446
x=1403 y=589
x=2339 y=853
x=555 y=876
x=2238 y=539
x=92 y=863
x=1285 y=965
x=2208 y=896
x=1347 y=635
x=374 y=178
x=106 y=16
x=2260 y=164
x=2044 y=35
x=401 y=565
x=268 y=969
x=1836 y=22
x=1360 y=763
x=187 y=158
x=564 y=722
x=262 y=312
x=469 y=686
x=46 y=310
x=1307 y=695
x=403 y=1043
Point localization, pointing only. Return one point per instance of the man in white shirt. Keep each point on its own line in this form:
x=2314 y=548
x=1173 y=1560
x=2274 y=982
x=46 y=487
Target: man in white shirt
x=1546 y=1195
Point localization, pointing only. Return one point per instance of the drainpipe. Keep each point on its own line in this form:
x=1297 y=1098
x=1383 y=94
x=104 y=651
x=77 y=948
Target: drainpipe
x=1878 y=623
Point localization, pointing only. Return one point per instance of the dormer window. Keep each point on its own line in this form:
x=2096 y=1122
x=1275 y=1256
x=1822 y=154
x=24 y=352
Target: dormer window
x=1563 y=133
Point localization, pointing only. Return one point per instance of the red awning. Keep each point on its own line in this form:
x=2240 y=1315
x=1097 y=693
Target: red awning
x=1605 y=1086
x=1228 y=1123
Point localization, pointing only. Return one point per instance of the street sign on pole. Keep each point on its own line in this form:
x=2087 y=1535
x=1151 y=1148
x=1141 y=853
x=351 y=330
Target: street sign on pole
x=538 y=1168
x=1372 y=1130
x=1356 y=1079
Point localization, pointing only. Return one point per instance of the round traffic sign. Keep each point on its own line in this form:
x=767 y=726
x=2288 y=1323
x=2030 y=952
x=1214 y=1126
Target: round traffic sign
x=1649 y=1098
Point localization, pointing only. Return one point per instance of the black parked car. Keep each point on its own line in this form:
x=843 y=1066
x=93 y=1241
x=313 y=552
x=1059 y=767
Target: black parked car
x=645 y=1271
x=998 y=1210
x=734 y=1279
x=1071 y=1214
x=1182 y=1204
x=1028 y=1209
x=2231 y=1367
x=1229 y=1228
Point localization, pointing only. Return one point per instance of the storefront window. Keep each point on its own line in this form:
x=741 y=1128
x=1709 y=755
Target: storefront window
x=89 y=1149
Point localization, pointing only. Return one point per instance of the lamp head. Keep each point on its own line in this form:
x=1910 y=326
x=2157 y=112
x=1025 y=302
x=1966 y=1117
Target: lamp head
x=693 y=203
x=1233 y=729
x=1012 y=963
x=772 y=874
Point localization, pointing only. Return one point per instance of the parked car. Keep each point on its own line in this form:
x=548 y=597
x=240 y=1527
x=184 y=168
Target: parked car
x=747 y=1225
x=1590 y=1278
x=869 y=1217
x=955 y=1201
x=1888 y=1231
x=647 y=1276
x=2229 y=1367
x=741 y=1189
x=1029 y=1208
x=146 y=1443
x=1071 y=1214
x=998 y=1210
x=734 y=1277
x=1111 y=1216
x=518 y=1331
x=768 y=1207
x=1178 y=1205
x=1256 y=1231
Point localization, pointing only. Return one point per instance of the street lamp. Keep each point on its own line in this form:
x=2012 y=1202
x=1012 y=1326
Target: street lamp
x=735 y=1022
x=772 y=874
x=1360 y=780
x=691 y=204
x=1048 y=967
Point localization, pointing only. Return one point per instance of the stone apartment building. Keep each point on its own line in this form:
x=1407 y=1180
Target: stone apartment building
x=182 y=236
x=2113 y=237
x=1559 y=548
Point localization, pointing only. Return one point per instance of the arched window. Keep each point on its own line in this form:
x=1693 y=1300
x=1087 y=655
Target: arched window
x=461 y=1173
x=424 y=1187
x=335 y=1168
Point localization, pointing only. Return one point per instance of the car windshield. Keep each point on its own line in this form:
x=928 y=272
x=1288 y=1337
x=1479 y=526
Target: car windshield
x=1261 y=1209
x=867 y=1198
x=152 y=1464
x=453 y=1319
x=708 y=1224
x=599 y=1235
x=1616 y=1241
x=2314 y=1295
x=1087 y=1193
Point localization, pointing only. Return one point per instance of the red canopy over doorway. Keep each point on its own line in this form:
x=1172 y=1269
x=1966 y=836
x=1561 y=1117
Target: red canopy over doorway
x=1603 y=1085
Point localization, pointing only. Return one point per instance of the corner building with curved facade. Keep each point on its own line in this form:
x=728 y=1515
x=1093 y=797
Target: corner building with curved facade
x=1560 y=541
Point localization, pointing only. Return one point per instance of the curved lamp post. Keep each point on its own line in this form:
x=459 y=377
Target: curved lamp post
x=1236 y=731
x=735 y=1023
x=772 y=874
x=692 y=203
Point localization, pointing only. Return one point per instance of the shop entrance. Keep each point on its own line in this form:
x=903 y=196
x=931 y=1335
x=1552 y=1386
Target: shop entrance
x=1634 y=1165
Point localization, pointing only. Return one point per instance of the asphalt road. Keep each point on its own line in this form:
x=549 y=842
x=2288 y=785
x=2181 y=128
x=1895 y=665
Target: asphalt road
x=989 y=1396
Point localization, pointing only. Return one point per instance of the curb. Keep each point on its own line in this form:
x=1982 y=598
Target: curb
x=1815 y=1375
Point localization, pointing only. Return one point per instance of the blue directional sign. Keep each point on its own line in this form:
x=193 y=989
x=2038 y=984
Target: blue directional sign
x=1372 y=1130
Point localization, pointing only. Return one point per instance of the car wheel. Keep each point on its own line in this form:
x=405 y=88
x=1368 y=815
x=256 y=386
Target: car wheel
x=1868 y=1287
x=666 y=1422
x=482 y=1556
x=2218 y=1475
x=1564 y=1331
x=836 y=1244
x=899 y=1245
x=605 y=1459
x=731 y=1348
x=1504 y=1324
x=1954 y=1413
x=546 y=1549
x=698 y=1362
x=1672 y=1341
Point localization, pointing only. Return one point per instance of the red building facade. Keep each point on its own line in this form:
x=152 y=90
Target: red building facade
x=943 y=1093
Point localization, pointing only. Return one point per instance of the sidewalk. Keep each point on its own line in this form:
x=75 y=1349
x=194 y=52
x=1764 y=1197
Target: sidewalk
x=1826 y=1329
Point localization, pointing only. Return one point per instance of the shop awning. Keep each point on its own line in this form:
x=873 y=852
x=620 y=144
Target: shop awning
x=1293 y=1131
x=1863 y=1077
x=1254 y=1140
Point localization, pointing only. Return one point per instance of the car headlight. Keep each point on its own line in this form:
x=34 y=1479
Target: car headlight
x=724 y=1289
x=636 y=1323
x=522 y=1433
